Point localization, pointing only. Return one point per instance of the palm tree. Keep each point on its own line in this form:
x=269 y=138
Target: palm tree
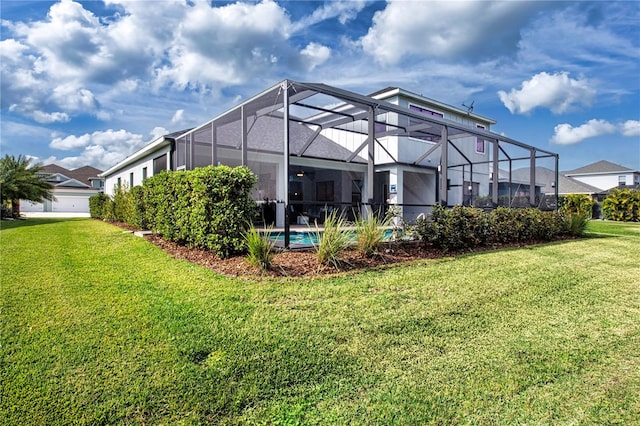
x=21 y=180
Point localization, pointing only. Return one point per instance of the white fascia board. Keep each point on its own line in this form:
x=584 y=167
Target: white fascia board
x=161 y=142
x=610 y=173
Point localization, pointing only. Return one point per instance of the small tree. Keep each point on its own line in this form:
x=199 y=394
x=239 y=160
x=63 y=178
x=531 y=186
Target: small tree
x=21 y=180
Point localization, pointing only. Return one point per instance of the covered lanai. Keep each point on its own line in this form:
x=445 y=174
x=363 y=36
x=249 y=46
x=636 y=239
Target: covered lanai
x=316 y=148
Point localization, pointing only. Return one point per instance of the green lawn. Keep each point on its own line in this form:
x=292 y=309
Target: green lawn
x=101 y=327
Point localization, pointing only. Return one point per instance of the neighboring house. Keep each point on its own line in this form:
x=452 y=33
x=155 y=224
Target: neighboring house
x=316 y=148
x=605 y=175
x=71 y=190
x=547 y=181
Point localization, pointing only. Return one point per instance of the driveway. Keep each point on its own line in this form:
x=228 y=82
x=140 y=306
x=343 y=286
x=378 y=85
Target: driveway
x=54 y=214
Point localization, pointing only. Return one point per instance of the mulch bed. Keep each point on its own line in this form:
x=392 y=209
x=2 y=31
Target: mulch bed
x=296 y=263
x=300 y=263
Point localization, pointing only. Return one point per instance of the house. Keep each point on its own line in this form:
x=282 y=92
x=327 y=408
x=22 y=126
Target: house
x=71 y=189
x=316 y=148
x=605 y=175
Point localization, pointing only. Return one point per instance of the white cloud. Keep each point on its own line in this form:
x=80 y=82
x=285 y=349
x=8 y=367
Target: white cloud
x=50 y=117
x=158 y=131
x=70 y=142
x=315 y=54
x=345 y=11
x=445 y=29
x=101 y=149
x=226 y=45
x=558 y=92
x=575 y=35
x=178 y=117
x=630 y=128
x=566 y=134
x=11 y=49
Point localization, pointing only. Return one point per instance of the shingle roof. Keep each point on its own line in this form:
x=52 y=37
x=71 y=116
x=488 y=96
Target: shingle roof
x=601 y=166
x=81 y=174
x=54 y=168
x=545 y=177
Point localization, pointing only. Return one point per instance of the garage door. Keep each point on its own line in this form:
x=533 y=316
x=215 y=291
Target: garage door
x=71 y=204
x=28 y=206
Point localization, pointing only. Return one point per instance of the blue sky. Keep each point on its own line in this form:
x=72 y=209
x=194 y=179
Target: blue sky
x=92 y=82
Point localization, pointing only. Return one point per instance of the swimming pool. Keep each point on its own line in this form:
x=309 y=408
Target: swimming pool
x=309 y=238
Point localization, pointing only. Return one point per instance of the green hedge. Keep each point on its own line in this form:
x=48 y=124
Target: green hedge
x=468 y=227
x=622 y=205
x=207 y=207
x=97 y=205
x=577 y=204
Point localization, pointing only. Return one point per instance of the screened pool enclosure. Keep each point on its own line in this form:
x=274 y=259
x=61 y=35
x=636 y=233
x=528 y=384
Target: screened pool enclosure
x=317 y=148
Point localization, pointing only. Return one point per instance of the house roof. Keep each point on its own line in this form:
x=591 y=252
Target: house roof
x=393 y=91
x=62 y=177
x=320 y=107
x=546 y=178
x=145 y=150
x=54 y=168
x=635 y=187
x=599 y=167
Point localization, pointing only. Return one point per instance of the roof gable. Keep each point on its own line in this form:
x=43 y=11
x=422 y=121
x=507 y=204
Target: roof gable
x=546 y=177
x=72 y=183
x=598 y=167
x=60 y=174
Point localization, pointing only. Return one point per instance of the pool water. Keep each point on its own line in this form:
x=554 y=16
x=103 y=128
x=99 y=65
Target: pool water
x=310 y=237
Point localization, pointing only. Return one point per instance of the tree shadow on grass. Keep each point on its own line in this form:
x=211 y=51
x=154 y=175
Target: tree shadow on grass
x=36 y=221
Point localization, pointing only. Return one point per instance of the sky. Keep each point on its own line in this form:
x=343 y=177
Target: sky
x=88 y=83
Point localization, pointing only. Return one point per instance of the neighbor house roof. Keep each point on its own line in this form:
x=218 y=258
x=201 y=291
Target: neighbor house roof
x=599 y=167
x=65 y=177
x=546 y=178
x=635 y=187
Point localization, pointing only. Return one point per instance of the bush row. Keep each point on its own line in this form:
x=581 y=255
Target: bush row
x=622 y=205
x=208 y=207
x=468 y=227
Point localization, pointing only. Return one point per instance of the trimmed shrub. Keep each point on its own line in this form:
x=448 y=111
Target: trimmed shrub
x=109 y=211
x=467 y=227
x=622 y=205
x=581 y=204
x=123 y=205
x=456 y=228
x=137 y=215
x=97 y=205
x=208 y=207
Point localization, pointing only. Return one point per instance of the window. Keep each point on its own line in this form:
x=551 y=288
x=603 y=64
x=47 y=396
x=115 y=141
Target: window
x=622 y=180
x=119 y=182
x=159 y=164
x=480 y=141
x=422 y=134
x=144 y=173
x=131 y=180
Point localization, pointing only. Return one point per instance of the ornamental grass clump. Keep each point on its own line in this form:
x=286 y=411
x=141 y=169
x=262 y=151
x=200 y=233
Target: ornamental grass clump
x=332 y=241
x=576 y=223
x=260 y=247
x=369 y=234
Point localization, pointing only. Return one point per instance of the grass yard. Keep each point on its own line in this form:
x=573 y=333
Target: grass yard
x=101 y=327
